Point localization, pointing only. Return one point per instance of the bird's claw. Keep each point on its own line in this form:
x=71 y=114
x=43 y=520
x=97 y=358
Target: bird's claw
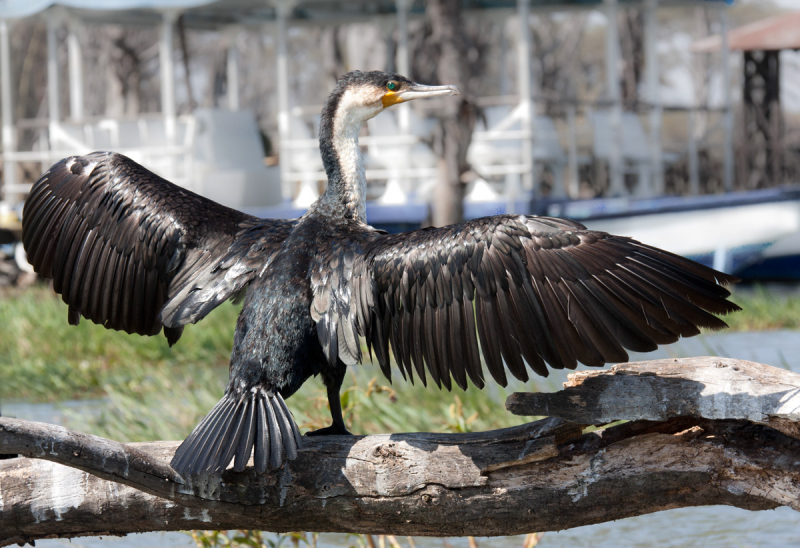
x=332 y=430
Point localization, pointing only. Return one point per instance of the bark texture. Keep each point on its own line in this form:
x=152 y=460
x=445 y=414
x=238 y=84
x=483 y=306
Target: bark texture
x=546 y=475
x=658 y=390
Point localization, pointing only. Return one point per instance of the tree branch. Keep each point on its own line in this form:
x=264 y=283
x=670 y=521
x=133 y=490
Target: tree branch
x=541 y=476
x=658 y=390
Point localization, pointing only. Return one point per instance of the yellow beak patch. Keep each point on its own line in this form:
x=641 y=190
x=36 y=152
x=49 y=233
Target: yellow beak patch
x=391 y=98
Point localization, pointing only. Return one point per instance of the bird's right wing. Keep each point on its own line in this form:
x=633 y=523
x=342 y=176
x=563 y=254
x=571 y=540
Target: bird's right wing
x=532 y=288
x=131 y=251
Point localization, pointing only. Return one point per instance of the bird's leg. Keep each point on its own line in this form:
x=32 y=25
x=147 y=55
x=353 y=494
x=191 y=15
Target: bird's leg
x=337 y=428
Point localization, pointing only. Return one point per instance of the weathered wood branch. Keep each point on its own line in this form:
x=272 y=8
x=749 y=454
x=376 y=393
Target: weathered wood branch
x=658 y=390
x=724 y=436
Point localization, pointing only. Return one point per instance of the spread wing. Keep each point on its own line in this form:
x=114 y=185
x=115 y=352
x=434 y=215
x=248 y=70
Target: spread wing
x=513 y=289
x=132 y=251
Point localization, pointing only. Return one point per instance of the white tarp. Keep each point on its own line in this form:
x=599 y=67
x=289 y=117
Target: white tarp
x=16 y=9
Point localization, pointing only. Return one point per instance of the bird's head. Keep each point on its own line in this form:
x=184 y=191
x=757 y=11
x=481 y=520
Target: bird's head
x=361 y=95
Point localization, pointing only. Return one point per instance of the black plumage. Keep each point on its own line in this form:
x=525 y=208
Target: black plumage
x=131 y=251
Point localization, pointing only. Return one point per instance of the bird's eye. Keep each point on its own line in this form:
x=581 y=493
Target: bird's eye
x=392 y=86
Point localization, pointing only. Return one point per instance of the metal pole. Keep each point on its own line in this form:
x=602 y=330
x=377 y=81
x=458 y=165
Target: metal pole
x=403 y=64
x=9 y=133
x=283 y=72
x=727 y=176
x=53 y=95
x=527 y=108
x=505 y=80
x=694 y=161
x=232 y=68
x=282 y=9
x=75 y=72
x=617 y=183
x=572 y=158
x=654 y=93
x=167 y=62
x=402 y=60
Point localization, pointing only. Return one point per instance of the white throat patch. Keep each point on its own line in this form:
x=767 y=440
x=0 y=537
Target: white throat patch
x=351 y=113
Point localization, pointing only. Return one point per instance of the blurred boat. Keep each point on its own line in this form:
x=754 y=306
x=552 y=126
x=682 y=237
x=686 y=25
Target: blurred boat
x=754 y=235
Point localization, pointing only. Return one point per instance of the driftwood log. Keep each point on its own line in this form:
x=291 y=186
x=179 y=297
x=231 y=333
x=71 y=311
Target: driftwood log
x=702 y=431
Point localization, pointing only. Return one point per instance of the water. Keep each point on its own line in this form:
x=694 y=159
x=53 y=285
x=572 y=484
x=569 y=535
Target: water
x=54 y=413
x=709 y=526
x=777 y=348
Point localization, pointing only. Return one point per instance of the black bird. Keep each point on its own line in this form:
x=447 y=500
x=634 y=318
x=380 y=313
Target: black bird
x=133 y=252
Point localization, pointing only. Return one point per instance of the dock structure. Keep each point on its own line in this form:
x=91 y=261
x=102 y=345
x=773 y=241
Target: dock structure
x=760 y=44
x=166 y=142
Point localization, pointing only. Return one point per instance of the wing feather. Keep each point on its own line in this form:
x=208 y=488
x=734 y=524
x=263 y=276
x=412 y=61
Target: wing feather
x=473 y=351
x=130 y=251
x=505 y=323
x=408 y=342
x=457 y=346
x=419 y=345
x=519 y=292
x=489 y=344
x=523 y=317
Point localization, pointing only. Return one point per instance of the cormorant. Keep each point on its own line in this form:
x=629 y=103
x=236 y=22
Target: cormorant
x=131 y=251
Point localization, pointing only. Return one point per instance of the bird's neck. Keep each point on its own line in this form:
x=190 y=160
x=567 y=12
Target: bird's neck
x=347 y=184
x=338 y=142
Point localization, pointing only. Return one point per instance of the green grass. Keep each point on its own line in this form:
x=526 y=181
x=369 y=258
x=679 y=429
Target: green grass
x=764 y=310
x=43 y=358
x=168 y=406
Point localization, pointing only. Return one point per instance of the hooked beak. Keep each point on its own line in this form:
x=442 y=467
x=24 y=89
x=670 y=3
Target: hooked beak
x=417 y=91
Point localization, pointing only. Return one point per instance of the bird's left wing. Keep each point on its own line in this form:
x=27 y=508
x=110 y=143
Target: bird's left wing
x=511 y=288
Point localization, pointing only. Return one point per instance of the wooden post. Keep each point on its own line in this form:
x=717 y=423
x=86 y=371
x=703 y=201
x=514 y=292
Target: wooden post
x=616 y=185
x=527 y=106
x=654 y=94
x=457 y=117
x=727 y=166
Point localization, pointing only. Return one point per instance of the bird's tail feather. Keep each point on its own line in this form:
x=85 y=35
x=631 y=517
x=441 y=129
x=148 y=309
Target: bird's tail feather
x=256 y=421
